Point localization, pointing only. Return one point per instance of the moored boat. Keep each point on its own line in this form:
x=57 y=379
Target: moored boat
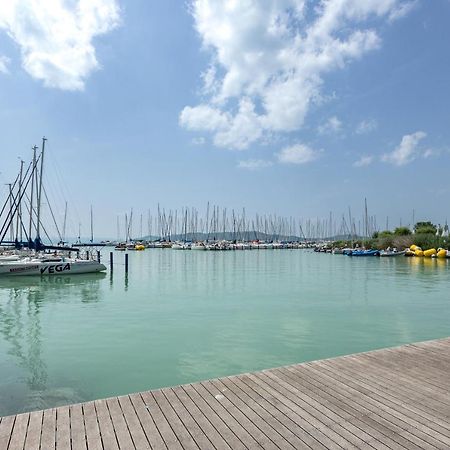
x=389 y=253
x=370 y=252
x=53 y=266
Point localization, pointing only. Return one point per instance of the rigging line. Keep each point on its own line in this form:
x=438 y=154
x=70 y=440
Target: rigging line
x=9 y=195
x=8 y=221
x=67 y=192
x=51 y=212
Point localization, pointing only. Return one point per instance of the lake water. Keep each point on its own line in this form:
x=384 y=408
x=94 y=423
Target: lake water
x=183 y=316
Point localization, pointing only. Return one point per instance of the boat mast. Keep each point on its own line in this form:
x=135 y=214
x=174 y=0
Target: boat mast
x=11 y=221
x=39 y=193
x=32 y=192
x=19 y=206
x=64 y=224
x=92 y=227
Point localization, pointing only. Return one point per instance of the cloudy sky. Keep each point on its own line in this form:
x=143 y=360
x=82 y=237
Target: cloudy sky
x=293 y=107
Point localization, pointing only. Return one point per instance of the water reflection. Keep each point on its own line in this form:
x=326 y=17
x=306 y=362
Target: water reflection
x=22 y=301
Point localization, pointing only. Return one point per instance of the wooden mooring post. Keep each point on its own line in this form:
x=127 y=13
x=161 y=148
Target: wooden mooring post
x=126 y=262
x=111 y=260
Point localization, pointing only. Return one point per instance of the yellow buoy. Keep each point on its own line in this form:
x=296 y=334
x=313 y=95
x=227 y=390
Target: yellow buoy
x=413 y=247
x=418 y=252
x=139 y=247
x=442 y=253
x=430 y=252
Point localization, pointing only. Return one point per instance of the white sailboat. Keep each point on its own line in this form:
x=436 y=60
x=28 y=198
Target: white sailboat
x=32 y=257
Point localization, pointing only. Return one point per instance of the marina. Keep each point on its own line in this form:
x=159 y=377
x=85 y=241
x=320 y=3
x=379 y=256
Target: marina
x=224 y=225
x=394 y=398
x=178 y=317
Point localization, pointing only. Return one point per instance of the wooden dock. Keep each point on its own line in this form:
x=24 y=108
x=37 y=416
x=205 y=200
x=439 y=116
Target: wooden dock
x=386 y=399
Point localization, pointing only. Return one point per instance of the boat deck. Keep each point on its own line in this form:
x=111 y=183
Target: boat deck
x=394 y=398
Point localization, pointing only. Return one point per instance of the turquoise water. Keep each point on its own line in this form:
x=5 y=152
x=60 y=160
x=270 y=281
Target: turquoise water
x=183 y=316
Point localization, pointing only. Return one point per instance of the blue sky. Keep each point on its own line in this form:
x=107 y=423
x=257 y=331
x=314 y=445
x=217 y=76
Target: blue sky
x=291 y=107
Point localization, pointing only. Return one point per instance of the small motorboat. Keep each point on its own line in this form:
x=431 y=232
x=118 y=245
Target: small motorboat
x=370 y=252
x=389 y=253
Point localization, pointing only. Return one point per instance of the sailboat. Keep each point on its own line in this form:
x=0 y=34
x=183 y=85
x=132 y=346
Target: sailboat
x=32 y=256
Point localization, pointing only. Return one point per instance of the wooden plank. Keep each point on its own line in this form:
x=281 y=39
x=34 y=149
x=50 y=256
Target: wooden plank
x=347 y=424
x=93 y=438
x=200 y=438
x=367 y=408
x=120 y=426
x=263 y=409
x=375 y=407
x=396 y=414
x=33 y=438
x=107 y=434
x=389 y=399
x=134 y=426
x=216 y=421
x=241 y=435
x=77 y=429
x=410 y=409
x=19 y=432
x=327 y=422
x=147 y=423
x=244 y=415
x=411 y=372
x=200 y=419
x=301 y=417
x=6 y=426
x=398 y=385
x=62 y=428
x=177 y=425
x=302 y=439
x=164 y=428
x=48 y=436
x=374 y=426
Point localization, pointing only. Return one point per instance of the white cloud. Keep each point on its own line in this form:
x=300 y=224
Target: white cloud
x=55 y=37
x=297 y=154
x=254 y=164
x=268 y=59
x=364 y=161
x=332 y=125
x=402 y=10
x=407 y=151
x=203 y=117
x=366 y=126
x=4 y=62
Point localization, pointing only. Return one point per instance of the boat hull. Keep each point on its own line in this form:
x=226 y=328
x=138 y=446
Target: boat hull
x=18 y=268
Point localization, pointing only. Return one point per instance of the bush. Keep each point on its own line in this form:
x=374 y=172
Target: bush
x=425 y=228
x=427 y=240
x=402 y=231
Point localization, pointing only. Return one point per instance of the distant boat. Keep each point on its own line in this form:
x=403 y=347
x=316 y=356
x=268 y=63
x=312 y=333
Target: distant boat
x=370 y=252
x=389 y=253
x=198 y=246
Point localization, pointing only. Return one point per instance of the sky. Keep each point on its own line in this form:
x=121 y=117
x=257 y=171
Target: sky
x=289 y=107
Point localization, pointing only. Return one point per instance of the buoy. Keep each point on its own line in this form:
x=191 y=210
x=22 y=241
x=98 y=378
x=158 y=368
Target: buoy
x=430 y=252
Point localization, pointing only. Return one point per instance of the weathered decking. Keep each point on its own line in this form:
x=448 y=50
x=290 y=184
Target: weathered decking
x=387 y=399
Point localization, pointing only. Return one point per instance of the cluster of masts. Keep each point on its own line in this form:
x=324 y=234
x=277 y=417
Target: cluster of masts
x=20 y=215
x=21 y=225
x=216 y=224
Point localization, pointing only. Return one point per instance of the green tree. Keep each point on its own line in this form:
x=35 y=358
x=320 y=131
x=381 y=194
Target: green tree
x=402 y=231
x=425 y=228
